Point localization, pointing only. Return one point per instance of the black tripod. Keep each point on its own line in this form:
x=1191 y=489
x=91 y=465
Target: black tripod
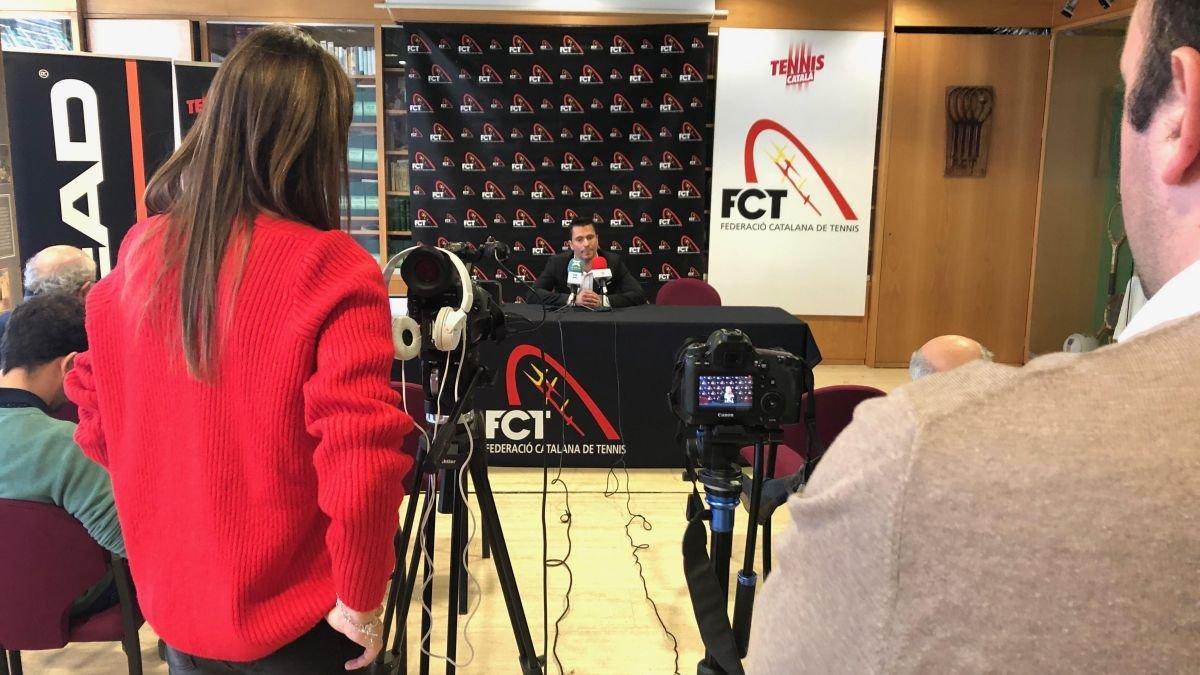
x=446 y=455
x=717 y=449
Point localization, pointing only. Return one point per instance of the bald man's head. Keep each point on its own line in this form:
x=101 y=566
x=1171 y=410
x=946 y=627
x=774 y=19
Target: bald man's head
x=944 y=353
x=60 y=269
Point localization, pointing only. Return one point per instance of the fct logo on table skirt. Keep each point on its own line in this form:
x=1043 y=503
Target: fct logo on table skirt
x=541 y=394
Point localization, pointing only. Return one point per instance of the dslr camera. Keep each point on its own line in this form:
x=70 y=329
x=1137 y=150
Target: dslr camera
x=726 y=381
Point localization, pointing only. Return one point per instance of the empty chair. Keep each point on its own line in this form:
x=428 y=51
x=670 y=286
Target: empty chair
x=688 y=292
x=835 y=410
x=50 y=560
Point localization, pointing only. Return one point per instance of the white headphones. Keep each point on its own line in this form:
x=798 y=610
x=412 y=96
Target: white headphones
x=448 y=328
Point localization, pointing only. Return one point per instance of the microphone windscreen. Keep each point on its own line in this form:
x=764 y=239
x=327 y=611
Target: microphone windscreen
x=599 y=263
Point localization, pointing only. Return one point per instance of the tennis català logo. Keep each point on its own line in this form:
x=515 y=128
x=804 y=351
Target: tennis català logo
x=791 y=163
x=800 y=67
x=541 y=392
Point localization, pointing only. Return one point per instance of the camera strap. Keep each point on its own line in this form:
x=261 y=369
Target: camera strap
x=708 y=602
x=814 y=449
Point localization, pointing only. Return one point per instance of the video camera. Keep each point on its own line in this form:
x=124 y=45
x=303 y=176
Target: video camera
x=448 y=315
x=726 y=381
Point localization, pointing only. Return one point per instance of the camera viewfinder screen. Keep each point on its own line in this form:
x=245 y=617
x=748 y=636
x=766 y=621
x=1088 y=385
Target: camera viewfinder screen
x=726 y=392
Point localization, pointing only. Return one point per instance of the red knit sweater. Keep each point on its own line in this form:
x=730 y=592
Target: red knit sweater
x=251 y=502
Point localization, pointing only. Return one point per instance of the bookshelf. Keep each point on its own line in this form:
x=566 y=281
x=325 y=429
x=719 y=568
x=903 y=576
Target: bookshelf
x=397 y=232
x=358 y=49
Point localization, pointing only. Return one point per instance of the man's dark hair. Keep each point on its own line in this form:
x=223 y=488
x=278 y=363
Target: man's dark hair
x=1173 y=24
x=41 y=329
x=583 y=222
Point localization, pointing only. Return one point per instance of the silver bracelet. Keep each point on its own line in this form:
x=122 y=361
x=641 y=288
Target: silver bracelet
x=371 y=629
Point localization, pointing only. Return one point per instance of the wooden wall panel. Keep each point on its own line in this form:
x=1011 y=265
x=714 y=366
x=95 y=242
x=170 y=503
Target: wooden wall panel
x=815 y=14
x=811 y=14
x=1075 y=179
x=961 y=13
x=343 y=11
x=20 y=6
x=822 y=14
x=956 y=253
x=842 y=339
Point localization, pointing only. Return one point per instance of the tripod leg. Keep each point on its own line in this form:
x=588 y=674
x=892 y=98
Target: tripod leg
x=456 y=575
x=400 y=542
x=766 y=549
x=508 y=580
x=464 y=556
x=484 y=535
x=400 y=648
x=772 y=451
x=743 y=603
x=485 y=541
x=427 y=547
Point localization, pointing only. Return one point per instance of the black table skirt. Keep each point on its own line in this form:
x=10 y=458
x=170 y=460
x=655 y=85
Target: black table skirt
x=607 y=374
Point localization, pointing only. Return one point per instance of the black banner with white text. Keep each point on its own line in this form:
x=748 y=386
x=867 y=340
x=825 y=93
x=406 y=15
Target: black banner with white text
x=87 y=133
x=515 y=131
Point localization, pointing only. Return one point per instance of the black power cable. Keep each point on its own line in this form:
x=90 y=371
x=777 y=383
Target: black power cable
x=611 y=490
x=566 y=517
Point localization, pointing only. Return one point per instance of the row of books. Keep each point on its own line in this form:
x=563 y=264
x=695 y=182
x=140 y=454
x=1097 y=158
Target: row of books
x=356 y=60
x=364 y=105
x=399 y=215
x=364 y=198
x=398 y=179
x=363 y=153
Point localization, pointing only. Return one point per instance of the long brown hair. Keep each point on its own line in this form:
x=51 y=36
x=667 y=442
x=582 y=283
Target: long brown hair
x=272 y=138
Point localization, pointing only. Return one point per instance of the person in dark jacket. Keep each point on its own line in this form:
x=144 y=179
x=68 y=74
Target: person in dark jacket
x=551 y=288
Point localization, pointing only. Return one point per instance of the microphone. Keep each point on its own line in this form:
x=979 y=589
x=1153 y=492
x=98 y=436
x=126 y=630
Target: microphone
x=574 y=278
x=601 y=274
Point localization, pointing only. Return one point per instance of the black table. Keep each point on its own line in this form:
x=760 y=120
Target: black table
x=617 y=368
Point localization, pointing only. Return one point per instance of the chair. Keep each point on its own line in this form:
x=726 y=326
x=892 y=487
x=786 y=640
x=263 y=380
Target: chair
x=688 y=292
x=50 y=560
x=835 y=410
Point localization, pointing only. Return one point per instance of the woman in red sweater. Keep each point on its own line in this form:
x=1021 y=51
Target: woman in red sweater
x=236 y=385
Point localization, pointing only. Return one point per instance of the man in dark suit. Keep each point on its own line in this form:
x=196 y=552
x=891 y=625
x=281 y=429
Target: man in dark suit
x=551 y=288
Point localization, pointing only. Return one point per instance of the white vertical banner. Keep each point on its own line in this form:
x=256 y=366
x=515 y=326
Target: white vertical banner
x=793 y=166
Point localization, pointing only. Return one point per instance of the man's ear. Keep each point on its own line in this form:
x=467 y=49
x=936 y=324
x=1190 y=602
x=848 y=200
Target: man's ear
x=83 y=290
x=1185 y=86
x=68 y=362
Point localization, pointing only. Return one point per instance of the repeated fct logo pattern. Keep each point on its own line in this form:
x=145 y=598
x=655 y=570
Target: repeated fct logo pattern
x=514 y=132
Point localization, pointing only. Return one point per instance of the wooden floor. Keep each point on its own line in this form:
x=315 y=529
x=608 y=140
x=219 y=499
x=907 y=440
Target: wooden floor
x=611 y=627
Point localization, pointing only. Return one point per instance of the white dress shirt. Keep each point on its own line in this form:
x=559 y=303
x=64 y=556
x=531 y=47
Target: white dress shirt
x=1178 y=298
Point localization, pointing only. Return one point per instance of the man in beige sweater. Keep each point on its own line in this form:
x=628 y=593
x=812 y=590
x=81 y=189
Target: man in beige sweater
x=1041 y=519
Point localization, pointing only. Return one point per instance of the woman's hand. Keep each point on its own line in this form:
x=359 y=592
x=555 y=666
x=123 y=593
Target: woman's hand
x=363 y=628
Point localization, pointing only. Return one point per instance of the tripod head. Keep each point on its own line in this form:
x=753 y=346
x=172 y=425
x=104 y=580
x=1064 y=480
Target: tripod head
x=716 y=451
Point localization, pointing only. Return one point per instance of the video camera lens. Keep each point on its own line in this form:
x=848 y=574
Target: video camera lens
x=427 y=273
